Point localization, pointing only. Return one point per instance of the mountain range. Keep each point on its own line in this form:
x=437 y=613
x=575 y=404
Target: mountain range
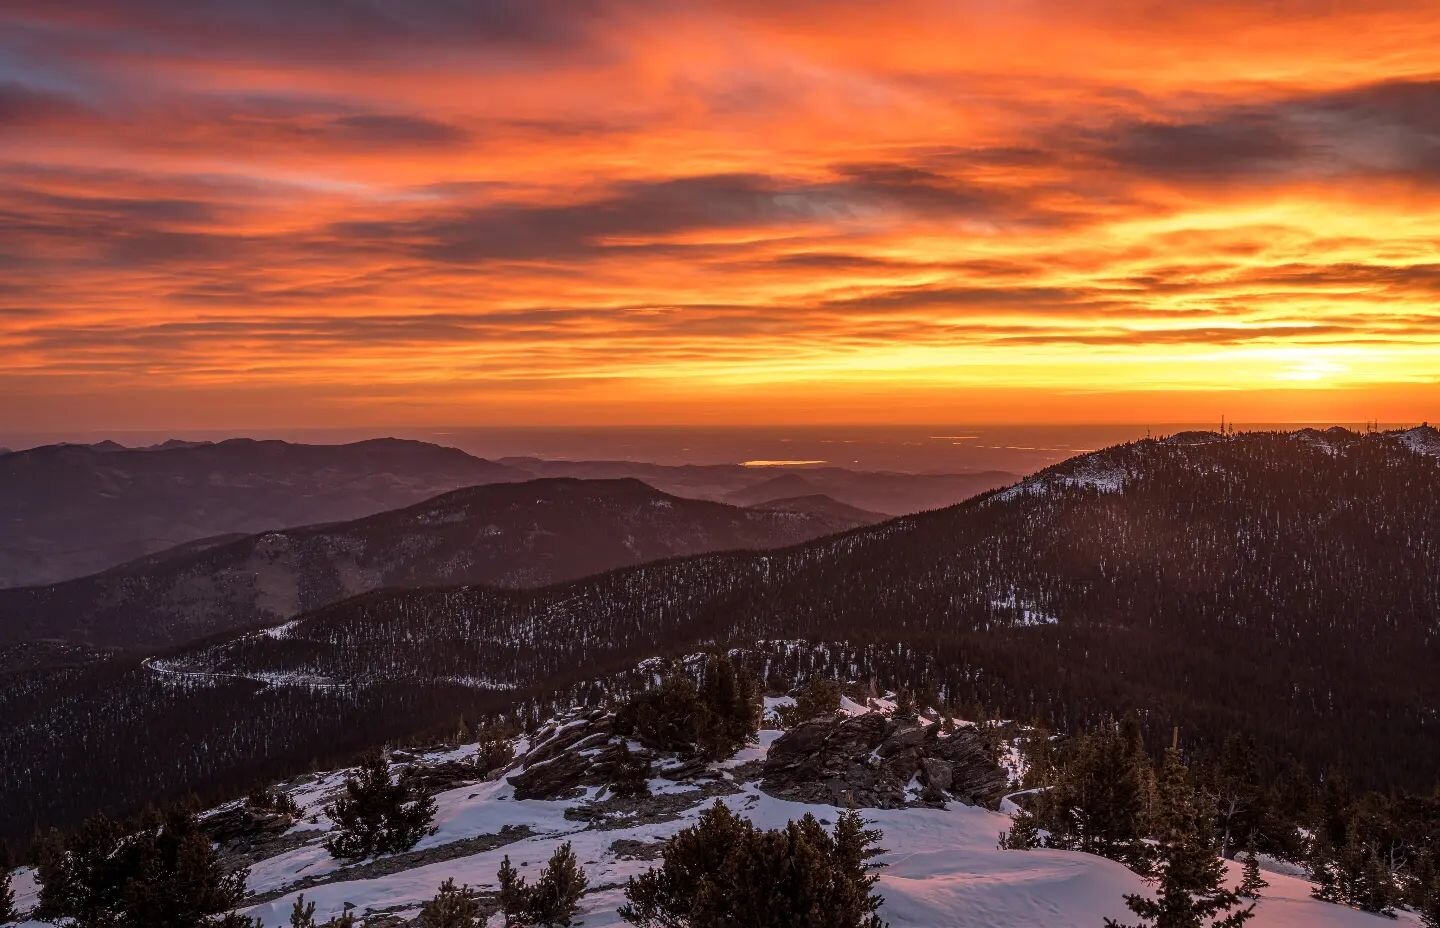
x=1285 y=584
x=71 y=510
x=521 y=534
x=67 y=511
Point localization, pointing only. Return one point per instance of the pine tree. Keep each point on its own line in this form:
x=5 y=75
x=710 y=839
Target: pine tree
x=1430 y=904
x=7 y=894
x=83 y=877
x=819 y=697
x=630 y=776
x=263 y=800
x=555 y=898
x=494 y=751
x=1098 y=801
x=1240 y=800
x=1023 y=834
x=1251 y=881
x=376 y=815
x=345 y=919
x=514 y=895
x=1190 y=892
x=302 y=913
x=1352 y=873
x=854 y=898
x=179 y=881
x=451 y=907
x=724 y=871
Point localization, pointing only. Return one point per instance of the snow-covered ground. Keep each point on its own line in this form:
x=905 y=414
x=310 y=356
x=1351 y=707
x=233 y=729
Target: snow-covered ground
x=941 y=866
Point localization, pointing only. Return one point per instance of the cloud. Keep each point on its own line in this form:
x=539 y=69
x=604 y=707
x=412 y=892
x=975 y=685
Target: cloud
x=663 y=201
x=1383 y=128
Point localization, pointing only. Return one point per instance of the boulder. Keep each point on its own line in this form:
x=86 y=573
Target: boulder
x=871 y=760
x=937 y=773
x=557 y=778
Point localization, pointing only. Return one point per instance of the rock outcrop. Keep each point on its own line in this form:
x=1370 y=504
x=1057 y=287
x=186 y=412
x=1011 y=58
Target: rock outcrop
x=875 y=761
x=566 y=758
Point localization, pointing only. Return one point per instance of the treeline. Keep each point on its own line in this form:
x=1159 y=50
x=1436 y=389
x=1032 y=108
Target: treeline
x=1102 y=792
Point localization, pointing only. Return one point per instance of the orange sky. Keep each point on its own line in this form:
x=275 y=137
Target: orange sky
x=239 y=213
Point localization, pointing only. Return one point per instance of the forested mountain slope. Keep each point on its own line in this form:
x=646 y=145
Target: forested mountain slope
x=504 y=535
x=1284 y=585
x=1285 y=577
x=70 y=510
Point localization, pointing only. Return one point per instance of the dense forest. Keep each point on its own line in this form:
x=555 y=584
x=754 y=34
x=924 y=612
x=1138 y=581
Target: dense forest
x=1284 y=585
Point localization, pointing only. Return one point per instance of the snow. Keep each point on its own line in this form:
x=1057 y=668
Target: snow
x=941 y=866
x=1026 y=612
x=1422 y=439
x=1092 y=472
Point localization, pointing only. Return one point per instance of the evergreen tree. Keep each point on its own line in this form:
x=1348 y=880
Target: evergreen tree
x=494 y=751
x=713 y=720
x=1430 y=904
x=669 y=717
x=853 y=897
x=555 y=898
x=1190 y=893
x=272 y=802
x=83 y=877
x=179 y=882
x=1098 y=801
x=302 y=913
x=1241 y=806
x=1352 y=873
x=376 y=815
x=162 y=874
x=1040 y=761
x=7 y=894
x=552 y=901
x=452 y=907
x=630 y=773
x=345 y=919
x=1251 y=882
x=819 y=697
x=1023 y=834
x=724 y=871
x=514 y=895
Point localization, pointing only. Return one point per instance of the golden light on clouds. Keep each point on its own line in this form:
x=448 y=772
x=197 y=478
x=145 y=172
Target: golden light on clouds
x=230 y=214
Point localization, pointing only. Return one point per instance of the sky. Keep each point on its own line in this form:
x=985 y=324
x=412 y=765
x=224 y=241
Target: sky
x=242 y=213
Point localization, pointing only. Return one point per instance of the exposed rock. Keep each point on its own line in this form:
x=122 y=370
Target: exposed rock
x=871 y=761
x=630 y=849
x=937 y=773
x=397 y=863
x=246 y=835
x=567 y=758
x=558 y=778
x=628 y=811
x=437 y=778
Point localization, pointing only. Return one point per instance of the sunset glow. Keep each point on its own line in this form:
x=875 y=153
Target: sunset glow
x=360 y=213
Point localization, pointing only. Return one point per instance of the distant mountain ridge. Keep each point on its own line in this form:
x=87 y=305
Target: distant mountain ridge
x=518 y=534
x=743 y=485
x=820 y=504
x=70 y=510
